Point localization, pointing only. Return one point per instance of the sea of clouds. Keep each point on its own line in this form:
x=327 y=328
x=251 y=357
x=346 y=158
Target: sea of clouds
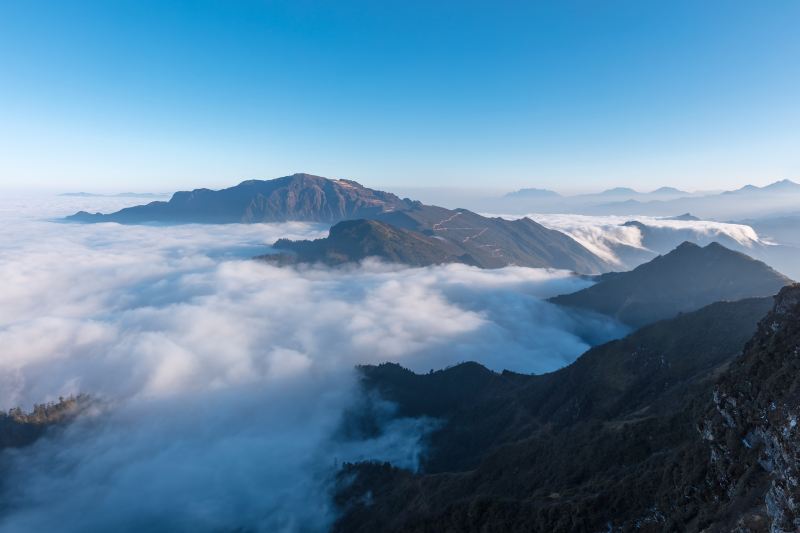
x=628 y=241
x=221 y=382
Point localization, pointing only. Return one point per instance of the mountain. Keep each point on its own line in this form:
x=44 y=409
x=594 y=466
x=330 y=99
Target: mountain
x=686 y=217
x=782 y=186
x=429 y=235
x=633 y=436
x=685 y=279
x=527 y=201
x=355 y=240
x=669 y=191
x=533 y=193
x=748 y=202
x=495 y=242
x=619 y=191
x=297 y=197
x=752 y=426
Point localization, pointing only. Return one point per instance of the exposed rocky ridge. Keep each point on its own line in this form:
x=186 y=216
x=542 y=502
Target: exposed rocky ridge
x=634 y=436
x=753 y=425
x=297 y=197
x=683 y=280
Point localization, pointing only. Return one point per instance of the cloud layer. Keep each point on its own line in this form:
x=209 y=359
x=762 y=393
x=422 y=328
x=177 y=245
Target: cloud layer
x=223 y=379
x=627 y=245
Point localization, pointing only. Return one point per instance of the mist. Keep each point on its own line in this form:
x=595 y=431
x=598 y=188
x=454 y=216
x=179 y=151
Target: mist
x=220 y=382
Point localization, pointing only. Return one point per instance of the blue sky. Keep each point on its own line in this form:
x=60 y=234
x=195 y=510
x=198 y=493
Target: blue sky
x=163 y=95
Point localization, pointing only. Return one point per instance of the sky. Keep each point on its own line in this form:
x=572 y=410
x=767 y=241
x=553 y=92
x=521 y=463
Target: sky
x=575 y=96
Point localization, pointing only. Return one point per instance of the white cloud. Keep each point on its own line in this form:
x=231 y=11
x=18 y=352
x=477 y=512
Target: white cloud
x=627 y=246
x=225 y=378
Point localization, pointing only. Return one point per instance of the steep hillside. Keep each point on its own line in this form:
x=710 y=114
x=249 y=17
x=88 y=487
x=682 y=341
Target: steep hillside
x=618 y=441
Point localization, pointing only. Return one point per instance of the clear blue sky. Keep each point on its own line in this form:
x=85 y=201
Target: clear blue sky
x=162 y=95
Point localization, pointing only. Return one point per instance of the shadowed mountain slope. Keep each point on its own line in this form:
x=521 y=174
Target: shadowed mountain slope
x=355 y=240
x=683 y=280
x=618 y=441
x=522 y=243
x=497 y=242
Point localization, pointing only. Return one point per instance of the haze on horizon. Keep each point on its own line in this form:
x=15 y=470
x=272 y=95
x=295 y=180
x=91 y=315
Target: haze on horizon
x=161 y=96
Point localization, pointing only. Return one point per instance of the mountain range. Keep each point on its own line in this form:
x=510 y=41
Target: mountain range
x=614 y=194
x=683 y=280
x=747 y=202
x=688 y=424
x=426 y=235
x=391 y=228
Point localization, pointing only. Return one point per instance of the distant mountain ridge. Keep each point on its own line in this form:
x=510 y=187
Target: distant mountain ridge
x=749 y=201
x=683 y=280
x=299 y=197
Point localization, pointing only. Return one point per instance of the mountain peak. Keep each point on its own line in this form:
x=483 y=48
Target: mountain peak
x=300 y=196
x=619 y=190
x=668 y=190
x=533 y=192
x=685 y=279
x=684 y=246
x=783 y=185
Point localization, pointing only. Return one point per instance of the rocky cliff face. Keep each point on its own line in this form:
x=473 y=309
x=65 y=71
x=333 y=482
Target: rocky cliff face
x=755 y=417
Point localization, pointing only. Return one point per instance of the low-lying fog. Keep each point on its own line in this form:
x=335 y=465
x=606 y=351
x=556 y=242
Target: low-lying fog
x=222 y=380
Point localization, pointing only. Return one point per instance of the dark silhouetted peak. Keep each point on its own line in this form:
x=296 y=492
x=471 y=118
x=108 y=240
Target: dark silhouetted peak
x=685 y=279
x=685 y=247
x=685 y=217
